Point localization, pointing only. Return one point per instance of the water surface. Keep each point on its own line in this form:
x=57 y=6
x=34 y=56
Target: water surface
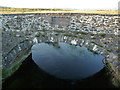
x=66 y=61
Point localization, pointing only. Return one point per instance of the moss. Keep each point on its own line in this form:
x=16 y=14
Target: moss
x=116 y=80
x=92 y=34
x=118 y=35
x=7 y=26
x=59 y=31
x=38 y=35
x=83 y=33
x=116 y=83
x=7 y=73
x=56 y=34
x=80 y=37
x=93 y=51
x=43 y=30
x=109 y=50
x=109 y=66
x=96 y=44
x=43 y=35
x=105 y=42
x=7 y=44
x=73 y=36
x=111 y=36
x=101 y=35
x=68 y=35
x=3 y=29
x=0 y=76
x=93 y=38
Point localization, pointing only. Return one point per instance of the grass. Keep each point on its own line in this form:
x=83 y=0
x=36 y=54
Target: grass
x=42 y=10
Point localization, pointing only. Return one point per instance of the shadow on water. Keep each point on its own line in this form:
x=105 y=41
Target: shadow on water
x=29 y=75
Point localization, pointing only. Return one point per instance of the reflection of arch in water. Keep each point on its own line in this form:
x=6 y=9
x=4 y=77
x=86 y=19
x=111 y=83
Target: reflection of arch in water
x=72 y=40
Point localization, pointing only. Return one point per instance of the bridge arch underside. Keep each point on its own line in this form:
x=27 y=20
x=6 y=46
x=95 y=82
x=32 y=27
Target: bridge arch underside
x=14 y=58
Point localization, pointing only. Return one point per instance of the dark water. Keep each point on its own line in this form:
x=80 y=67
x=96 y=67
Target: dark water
x=60 y=65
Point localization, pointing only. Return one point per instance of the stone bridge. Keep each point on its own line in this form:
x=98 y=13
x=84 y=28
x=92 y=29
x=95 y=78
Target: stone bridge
x=18 y=51
x=98 y=33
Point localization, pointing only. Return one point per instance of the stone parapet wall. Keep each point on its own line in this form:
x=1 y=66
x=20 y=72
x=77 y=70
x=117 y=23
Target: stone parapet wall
x=80 y=22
